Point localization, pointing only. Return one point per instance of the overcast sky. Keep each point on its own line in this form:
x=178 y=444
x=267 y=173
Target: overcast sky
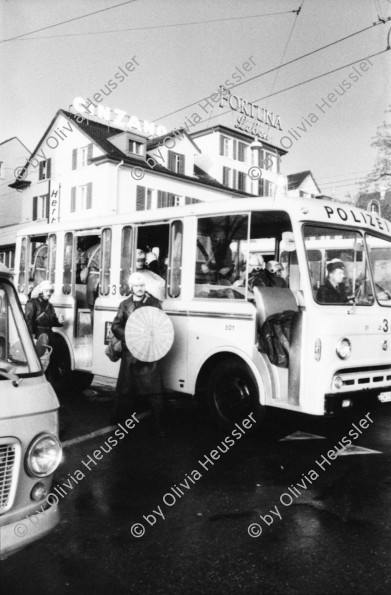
x=182 y=63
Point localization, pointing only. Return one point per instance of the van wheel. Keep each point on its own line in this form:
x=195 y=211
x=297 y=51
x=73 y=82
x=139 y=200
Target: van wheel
x=232 y=393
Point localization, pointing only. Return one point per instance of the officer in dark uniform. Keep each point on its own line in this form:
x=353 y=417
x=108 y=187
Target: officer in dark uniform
x=333 y=291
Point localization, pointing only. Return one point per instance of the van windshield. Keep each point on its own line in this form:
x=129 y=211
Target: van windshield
x=17 y=355
x=338 y=266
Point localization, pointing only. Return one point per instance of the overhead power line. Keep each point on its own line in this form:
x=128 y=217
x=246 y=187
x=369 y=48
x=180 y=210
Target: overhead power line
x=251 y=16
x=83 y=16
x=314 y=78
x=280 y=66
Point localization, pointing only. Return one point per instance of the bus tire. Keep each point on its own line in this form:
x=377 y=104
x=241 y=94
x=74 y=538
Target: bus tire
x=232 y=392
x=81 y=380
x=59 y=372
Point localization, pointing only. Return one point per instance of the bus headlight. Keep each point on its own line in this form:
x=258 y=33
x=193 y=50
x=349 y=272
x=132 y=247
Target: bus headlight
x=43 y=455
x=344 y=349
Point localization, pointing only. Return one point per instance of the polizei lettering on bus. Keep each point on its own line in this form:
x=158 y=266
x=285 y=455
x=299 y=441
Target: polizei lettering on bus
x=348 y=216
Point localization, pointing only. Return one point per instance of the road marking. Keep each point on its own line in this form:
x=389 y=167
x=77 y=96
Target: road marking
x=100 y=432
x=357 y=450
x=301 y=436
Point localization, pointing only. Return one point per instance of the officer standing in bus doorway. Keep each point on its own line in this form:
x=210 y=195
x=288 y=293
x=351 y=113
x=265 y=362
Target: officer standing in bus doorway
x=333 y=291
x=275 y=270
x=137 y=378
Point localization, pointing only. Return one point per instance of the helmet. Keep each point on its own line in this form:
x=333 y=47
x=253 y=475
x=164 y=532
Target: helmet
x=273 y=266
x=256 y=260
x=150 y=257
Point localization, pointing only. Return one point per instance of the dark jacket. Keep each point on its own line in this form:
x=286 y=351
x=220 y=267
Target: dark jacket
x=40 y=316
x=135 y=377
x=328 y=294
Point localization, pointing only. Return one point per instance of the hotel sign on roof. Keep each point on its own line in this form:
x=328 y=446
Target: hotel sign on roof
x=117 y=118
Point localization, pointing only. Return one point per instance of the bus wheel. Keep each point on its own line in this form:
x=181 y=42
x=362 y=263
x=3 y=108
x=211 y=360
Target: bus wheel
x=232 y=392
x=81 y=380
x=59 y=371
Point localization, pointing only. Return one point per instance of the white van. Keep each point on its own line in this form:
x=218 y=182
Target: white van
x=30 y=450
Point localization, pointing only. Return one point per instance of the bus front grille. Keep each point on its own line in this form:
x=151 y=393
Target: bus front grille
x=361 y=378
x=9 y=459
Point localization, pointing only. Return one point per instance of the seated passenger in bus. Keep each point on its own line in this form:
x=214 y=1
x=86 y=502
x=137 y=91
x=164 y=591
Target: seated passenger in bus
x=259 y=275
x=219 y=264
x=275 y=270
x=155 y=284
x=333 y=291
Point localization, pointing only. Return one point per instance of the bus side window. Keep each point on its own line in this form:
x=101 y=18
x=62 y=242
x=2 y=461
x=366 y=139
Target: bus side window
x=105 y=262
x=126 y=259
x=175 y=263
x=67 y=272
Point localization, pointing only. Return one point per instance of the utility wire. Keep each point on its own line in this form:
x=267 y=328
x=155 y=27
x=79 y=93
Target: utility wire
x=285 y=49
x=309 y=80
x=251 y=16
x=67 y=21
x=280 y=66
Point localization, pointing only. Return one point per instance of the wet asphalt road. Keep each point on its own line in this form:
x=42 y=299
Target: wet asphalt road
x=318 y=535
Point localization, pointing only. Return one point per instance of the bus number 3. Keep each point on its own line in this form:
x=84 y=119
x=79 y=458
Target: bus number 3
x=113 y=289
x=229 y=327
x=386 y=325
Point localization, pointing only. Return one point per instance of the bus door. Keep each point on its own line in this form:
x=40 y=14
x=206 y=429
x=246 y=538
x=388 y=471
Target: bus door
x=279 y=301
x=87 y=256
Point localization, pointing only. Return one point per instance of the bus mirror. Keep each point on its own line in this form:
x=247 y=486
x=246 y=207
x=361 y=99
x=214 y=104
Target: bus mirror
x=287 y=242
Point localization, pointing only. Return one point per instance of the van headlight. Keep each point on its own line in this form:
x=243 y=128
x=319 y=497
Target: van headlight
x=43 y=455
x=344 y=349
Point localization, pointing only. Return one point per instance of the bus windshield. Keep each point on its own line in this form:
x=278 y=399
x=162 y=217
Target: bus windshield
x=379 y=252
x=338 y=266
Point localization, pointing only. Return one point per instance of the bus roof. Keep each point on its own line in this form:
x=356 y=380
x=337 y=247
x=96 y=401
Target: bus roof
x=300 y=209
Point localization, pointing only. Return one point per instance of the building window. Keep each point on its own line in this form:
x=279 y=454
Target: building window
x=40 y=207
x=81 y=198
x=1 y=169
x=226 y=176
x=135 y=147
x=225 y=145
x=143 y=198
x=241 y=180
x=176 y=162
x=191 y=201
x=166 y=199
x=44 y=169
x=82 y=156
x=242 y=152
x=265 y=160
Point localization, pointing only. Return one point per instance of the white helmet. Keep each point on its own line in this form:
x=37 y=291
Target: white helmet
x=256 y=260
x=273 y=266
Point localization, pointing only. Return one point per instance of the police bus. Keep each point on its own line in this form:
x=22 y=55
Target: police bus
x=335 y=354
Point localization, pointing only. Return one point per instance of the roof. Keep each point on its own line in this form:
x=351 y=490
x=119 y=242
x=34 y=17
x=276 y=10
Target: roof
x=295 y=180
x=237 y=134
x=100 y=133
x=14 y=138
x=177 y=132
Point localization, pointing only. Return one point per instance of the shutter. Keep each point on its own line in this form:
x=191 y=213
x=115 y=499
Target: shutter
x=170 y=160
x=35 y=207
x=47 y=209
x=235 y=142
x=41 y=166
x=89 y=195
x=89 y=153
x=48 y=168
x=221 y=144
x=161 y=199
x=140 y=198
x=181 y=164
x=74 y=159
x=73 y=199
x=149 y=199
x=187 y=200
x=234 y=172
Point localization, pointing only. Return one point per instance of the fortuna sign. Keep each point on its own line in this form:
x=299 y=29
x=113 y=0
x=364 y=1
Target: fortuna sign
x=117 y=117
x=251 y=110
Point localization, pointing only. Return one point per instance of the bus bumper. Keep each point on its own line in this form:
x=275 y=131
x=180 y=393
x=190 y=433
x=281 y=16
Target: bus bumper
x=335 y=403
x=17 y=535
